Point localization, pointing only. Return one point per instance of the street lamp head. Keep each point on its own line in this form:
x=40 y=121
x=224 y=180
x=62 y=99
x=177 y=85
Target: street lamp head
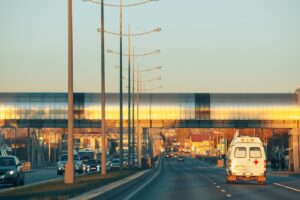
x=85 y=0
x=157 y=51
x=98 y=29
x=157 y=30
x=109 y=51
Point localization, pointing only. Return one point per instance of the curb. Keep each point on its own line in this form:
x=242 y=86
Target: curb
x=108 y=191
x=112 y=189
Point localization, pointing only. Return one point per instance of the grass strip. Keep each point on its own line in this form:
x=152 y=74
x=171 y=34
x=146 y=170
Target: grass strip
x=59 y=191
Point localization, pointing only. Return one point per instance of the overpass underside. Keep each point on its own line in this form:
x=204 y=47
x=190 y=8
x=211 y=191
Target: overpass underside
x=153 y=123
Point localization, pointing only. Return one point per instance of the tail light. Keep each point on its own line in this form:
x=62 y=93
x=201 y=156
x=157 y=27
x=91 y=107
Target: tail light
x=229 y=163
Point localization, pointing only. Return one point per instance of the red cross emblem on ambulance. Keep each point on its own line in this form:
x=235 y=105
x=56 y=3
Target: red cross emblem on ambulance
x=255 y=162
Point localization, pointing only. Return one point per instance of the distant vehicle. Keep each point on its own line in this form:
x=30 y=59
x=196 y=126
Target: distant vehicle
x=246 y=160
x=115 y=163
x=61 y=164
x=93 y=166
x=175 y=155
x=125 y=163
x=86 y=154
x=180 y=158
x=11 y=171
x=168 y=155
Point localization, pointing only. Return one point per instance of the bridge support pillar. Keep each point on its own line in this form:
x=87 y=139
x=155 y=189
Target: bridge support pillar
x=294 y=150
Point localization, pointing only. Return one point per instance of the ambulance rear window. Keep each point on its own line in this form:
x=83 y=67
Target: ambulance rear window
x=255 y=152
x=240 y=152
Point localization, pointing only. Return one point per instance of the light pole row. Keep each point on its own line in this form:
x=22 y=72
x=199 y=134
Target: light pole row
x=69 y=174
x=102 y=30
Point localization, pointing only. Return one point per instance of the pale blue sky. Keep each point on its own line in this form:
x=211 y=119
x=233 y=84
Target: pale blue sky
x=206 y=46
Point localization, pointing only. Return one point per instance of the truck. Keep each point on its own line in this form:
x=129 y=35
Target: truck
x=246 y=160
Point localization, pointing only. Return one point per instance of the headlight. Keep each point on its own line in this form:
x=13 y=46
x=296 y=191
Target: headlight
x=10 y=172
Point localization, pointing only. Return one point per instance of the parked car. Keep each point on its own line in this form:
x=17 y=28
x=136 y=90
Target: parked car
x=61 y=164
x=180 y=158
x=93 y=166
x=11 y=171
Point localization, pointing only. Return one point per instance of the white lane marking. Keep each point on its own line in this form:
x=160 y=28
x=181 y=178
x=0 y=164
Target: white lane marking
x=142 y=186
x=218 y=186
x=294 y=189
x=229 y=195
x=214 y=183
x=223 y=190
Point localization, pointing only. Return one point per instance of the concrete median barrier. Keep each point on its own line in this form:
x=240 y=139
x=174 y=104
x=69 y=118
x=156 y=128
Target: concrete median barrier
x=110 y=190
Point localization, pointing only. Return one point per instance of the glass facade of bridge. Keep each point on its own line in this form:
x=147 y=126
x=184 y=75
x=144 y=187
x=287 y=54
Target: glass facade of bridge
x=87 y=106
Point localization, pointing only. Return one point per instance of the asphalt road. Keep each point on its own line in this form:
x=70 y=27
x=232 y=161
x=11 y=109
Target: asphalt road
x=195 y=179
x=35 y=176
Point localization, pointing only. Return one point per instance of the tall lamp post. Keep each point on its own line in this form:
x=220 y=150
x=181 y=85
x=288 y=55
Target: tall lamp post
x=103 y=125
x=121 y=88
x=69 y=175
x=103 y=80
x=121 y=98
x=148 y=69
x=139 y=137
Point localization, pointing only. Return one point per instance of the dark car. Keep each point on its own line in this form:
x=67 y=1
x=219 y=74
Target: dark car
x=11 y=171
x=180 y=158
x=93 y=166
x=61 y=164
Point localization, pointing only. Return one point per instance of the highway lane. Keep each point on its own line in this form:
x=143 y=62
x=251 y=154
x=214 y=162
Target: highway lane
x=36 y=176
x=195 y=179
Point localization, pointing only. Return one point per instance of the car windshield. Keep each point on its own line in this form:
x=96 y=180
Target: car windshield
x=65 y=157
x=93 y=162
x=115 y=161
x=6 y=161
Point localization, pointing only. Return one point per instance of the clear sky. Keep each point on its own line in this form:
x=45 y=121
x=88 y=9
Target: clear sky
x=206 y=45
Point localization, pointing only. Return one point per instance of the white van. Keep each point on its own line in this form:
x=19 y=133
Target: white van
x=246 y=160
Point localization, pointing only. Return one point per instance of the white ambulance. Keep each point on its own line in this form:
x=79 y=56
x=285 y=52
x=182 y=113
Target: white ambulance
x=246 y=160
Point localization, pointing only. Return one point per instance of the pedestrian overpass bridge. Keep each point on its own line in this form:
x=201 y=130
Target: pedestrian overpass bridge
x=165 y=110
x=168 y=110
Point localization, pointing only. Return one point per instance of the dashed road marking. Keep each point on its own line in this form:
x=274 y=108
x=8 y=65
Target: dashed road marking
x=228 y=195
x=214 y=183
x=218 y=186
x=223 y=190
